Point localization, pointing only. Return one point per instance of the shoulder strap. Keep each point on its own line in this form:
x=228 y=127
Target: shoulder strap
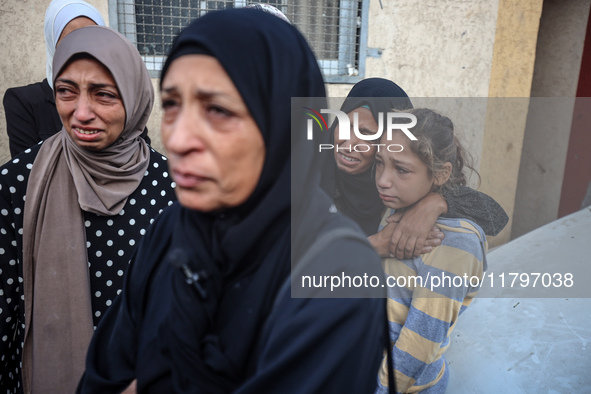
x=389 y=356
x=315 y=249
x=326 y=239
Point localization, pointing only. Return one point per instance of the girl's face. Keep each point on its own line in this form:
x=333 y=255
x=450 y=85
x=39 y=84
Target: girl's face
x=215 y=148
x=401 y=177
x=347 y=158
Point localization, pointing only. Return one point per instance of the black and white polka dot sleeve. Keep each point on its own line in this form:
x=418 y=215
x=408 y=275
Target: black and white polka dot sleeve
x=13 y=183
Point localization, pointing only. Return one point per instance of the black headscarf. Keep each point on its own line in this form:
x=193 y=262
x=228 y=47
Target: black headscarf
x=245 y=251
x=356 y=195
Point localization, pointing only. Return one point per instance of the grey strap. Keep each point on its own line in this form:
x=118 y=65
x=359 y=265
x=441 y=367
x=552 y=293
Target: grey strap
x=325 y=240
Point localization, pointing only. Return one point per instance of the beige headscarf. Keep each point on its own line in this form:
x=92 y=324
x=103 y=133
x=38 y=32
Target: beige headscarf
x=66 y=179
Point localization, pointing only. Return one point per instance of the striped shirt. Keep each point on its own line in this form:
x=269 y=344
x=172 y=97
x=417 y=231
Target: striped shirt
x=426 y=295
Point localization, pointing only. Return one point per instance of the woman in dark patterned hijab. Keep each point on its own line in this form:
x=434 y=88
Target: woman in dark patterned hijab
x=207 y=306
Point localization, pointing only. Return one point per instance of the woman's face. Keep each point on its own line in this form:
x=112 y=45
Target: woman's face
x=401 y=177
x=354 y=160
x=89 y=104
x=215 y=149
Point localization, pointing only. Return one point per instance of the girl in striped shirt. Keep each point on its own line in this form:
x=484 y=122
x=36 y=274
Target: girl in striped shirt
x=426 y=294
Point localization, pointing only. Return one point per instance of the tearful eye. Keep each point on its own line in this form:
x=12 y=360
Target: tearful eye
x=107 y=95
x=168 y=103
x=219 y=111
x=62 y=90
x=170 y=109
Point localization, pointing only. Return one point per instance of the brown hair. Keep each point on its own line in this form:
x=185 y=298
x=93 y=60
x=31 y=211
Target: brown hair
x=437 y=144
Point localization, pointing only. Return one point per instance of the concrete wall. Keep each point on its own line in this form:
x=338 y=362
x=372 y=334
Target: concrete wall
x=22 y=53
x=434 y=48
x=556 y=74
x=154 y=121
x=511 y=75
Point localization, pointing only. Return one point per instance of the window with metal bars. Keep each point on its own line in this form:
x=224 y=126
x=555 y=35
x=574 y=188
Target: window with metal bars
x=335 y=29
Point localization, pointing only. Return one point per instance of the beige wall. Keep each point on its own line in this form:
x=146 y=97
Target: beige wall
x=511 y=75
x=154 y=122
x=556 y=74
x=434 y=48
x=22 y=53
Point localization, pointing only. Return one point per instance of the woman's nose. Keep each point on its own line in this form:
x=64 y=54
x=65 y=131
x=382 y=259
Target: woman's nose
x=84 y=111
x=186 y=133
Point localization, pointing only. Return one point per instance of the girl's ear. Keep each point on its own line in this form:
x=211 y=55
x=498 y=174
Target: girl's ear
x=443 y=175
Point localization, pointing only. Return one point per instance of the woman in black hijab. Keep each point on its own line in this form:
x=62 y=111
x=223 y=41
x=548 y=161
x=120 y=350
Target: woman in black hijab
x=205 y=306
x=356 y=196
x=355 y=192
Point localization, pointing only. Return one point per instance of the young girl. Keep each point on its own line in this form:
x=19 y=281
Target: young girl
x=426 y=294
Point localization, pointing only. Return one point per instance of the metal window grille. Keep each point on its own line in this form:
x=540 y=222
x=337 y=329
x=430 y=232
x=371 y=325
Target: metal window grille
x=335 y=29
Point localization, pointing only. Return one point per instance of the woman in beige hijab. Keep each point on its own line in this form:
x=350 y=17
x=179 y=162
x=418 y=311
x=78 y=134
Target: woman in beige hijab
x=91 y=191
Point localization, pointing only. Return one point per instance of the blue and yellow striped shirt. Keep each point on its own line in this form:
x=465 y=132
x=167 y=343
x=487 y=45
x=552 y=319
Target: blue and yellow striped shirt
x=425 y=301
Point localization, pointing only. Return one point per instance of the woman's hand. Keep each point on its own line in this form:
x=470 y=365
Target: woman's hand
x=413 y=232
x=380 y=241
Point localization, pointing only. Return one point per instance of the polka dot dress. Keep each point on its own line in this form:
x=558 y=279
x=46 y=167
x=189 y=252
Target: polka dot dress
x=110 y=245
